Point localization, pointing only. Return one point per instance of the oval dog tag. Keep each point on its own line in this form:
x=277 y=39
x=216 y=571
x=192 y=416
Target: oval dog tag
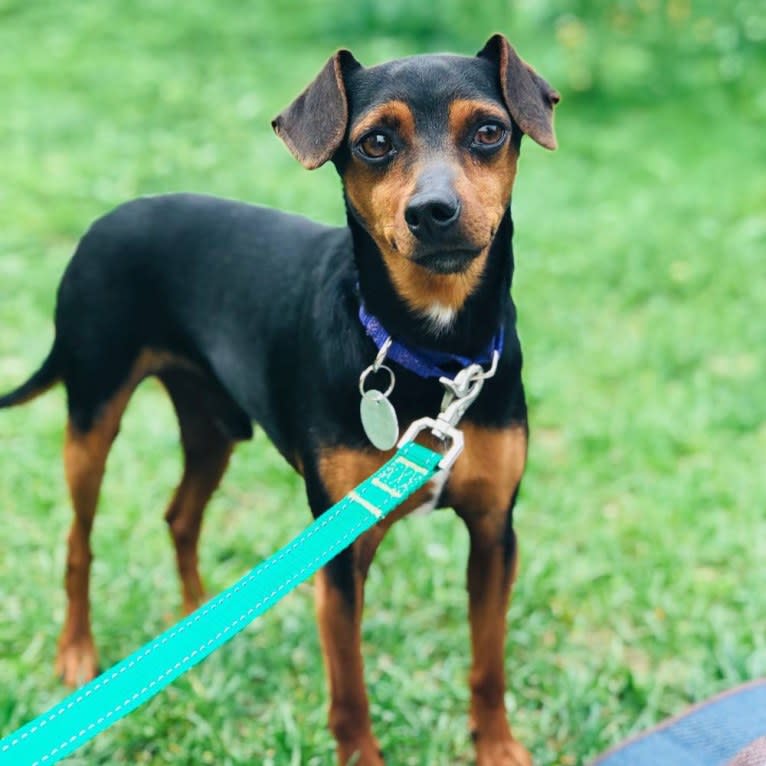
x=379 y=419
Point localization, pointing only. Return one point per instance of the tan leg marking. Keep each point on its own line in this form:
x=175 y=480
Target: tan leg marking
x=85 y=455
x=340 y=622
x=340 y=633
x=206 y=455
x=202 y=474
x=481 y=489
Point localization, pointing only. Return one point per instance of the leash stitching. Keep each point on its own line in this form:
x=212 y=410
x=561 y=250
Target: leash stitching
x=137 y=695
x=210 y=607
x=384 y=471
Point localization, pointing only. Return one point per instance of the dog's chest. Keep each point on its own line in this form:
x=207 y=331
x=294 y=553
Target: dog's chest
x=487 y=473
x=484 y=478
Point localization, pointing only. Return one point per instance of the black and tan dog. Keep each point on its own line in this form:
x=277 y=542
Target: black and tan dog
x=252 y=315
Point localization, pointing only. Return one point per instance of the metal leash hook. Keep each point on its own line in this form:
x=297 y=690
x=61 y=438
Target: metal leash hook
x=460 y=393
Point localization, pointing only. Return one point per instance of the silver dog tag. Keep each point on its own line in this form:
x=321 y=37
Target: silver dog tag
x=379 y=419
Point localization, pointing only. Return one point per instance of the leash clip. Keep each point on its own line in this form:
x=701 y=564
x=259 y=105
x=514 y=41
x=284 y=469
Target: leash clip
x=442 y=431
x=460 y=394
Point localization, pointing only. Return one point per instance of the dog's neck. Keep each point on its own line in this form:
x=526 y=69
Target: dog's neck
x=469 y=330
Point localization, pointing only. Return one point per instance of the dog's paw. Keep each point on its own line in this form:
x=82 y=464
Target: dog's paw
x=193 y=602
x=77 y=661
x=503 y=753
x=364 y=753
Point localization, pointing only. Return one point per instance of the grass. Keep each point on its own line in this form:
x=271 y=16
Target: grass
x=640 y=287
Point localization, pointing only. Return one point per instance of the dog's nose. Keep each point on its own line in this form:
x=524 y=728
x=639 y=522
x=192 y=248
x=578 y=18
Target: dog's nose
x=431 y=215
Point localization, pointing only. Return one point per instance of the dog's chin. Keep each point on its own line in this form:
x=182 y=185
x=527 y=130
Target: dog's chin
x=455 y=261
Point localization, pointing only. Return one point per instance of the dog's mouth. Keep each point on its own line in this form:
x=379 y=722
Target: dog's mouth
x=447 y=261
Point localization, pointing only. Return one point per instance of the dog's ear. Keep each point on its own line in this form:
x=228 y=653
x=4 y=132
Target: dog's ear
x=313 y=126
x=529 y=98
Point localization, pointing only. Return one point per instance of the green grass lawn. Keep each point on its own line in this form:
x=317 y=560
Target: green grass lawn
x=640 y=285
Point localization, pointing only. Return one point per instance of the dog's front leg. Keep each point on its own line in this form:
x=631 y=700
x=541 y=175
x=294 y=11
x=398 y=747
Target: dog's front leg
x=339 y=591
x=491 y=571
x=339 y=601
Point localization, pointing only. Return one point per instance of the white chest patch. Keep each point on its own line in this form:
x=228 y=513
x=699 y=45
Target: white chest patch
x=439 y=316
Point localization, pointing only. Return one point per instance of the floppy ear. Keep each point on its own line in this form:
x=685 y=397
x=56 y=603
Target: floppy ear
x=313 y=126
x=529 y=99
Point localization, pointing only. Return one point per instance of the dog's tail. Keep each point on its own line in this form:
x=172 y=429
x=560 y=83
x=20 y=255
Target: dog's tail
x=46 y=377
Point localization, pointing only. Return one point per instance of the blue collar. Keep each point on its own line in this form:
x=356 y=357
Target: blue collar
x=426 y=363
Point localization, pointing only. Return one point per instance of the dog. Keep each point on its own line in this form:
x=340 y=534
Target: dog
x=250 y=315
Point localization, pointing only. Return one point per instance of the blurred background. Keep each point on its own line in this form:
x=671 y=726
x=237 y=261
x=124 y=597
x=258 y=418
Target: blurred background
x=640 y=284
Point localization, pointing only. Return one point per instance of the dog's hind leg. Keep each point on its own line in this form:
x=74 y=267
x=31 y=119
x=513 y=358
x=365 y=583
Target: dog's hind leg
x=85 y=454
x=96 y=406
x=207 y=449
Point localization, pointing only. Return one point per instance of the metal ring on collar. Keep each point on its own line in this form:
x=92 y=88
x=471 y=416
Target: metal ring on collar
x=382 y=353
x=372 y=368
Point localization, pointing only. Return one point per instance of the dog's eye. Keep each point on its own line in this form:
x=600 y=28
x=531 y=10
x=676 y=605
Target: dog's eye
x=488 y=135
x=376 y=146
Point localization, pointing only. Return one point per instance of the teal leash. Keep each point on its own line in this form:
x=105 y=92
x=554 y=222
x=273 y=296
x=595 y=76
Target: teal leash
x=105 y=700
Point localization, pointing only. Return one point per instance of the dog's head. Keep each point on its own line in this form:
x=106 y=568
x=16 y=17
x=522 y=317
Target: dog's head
x=427 y=149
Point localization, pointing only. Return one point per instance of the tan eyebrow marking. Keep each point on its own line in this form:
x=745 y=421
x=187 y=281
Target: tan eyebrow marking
x=393 y=114
x=464 y=111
